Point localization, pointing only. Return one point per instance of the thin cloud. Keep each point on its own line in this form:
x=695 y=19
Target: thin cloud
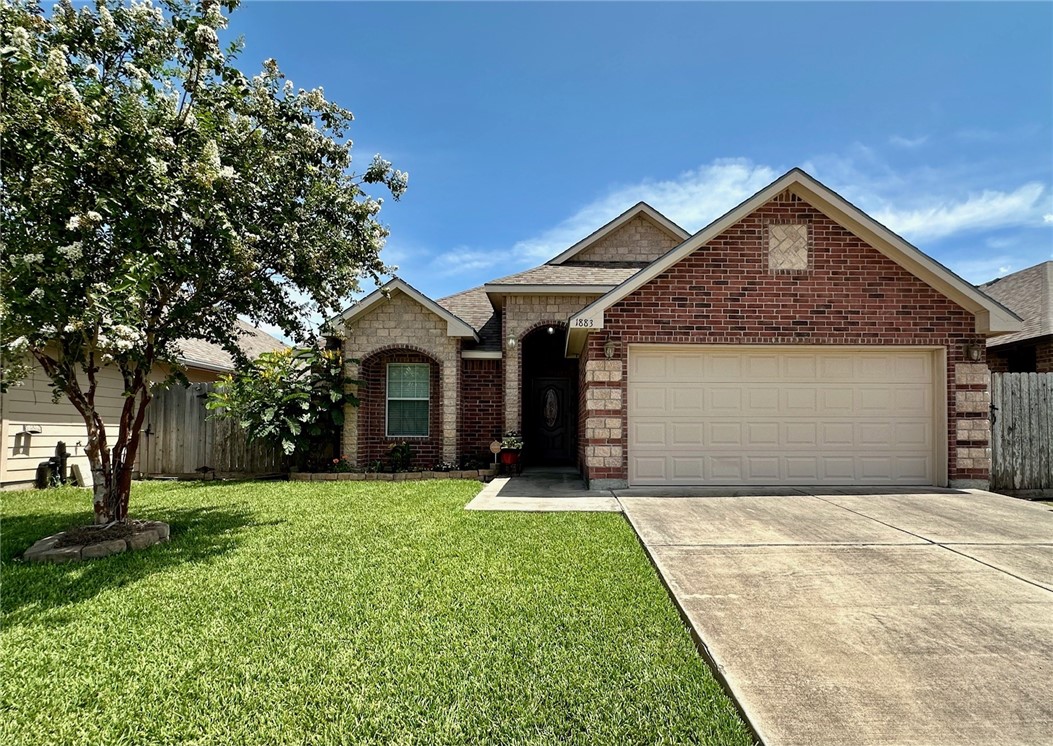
x=908 y=142
x=946 y=217
x=692 y=200
x=918 y=204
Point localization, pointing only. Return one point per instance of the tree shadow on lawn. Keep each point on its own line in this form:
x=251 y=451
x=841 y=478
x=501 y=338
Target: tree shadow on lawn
x=32 y=592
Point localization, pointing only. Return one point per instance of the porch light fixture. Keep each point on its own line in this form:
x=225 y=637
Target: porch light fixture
x=510 y=343
x=610 y=348
x=973 y=353
x=552 y=330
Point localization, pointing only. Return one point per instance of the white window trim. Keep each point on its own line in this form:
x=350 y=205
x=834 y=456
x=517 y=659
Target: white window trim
x=388 y=398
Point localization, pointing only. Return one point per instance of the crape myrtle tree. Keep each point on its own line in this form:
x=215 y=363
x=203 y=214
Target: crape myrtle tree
x=152 y=192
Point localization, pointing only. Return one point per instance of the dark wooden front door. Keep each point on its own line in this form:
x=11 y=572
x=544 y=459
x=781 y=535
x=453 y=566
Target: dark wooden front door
x=550 y=421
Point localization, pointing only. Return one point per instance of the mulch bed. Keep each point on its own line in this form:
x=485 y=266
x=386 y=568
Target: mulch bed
x=88 y=535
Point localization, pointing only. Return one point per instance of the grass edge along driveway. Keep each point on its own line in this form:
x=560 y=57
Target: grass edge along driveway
x=330 y=613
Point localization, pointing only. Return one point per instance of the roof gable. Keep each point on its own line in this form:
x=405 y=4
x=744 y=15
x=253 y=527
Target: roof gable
x=455 y=326
x=991 y=317
x=639 y=217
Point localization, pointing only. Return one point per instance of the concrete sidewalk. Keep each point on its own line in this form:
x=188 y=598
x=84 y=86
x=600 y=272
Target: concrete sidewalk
x=845 y=617
x=542 y=490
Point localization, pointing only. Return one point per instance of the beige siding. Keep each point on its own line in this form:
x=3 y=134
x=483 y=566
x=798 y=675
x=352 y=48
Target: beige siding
x=30 y=405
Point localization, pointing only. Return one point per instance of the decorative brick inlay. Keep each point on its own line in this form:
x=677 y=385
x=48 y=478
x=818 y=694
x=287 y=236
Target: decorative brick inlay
x=609 y=456
x=639 y=240
x=977 y=459
x=522 y=314
x=603 y=370
x=972 y=401
x=974 y=431
x=723 y=293
x=400 y=323
x=968 y=374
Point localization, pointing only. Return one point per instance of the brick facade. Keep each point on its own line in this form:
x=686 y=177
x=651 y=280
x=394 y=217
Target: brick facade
x=400 y=323
x=482 y=406
x=998 y=358
x=523 y=314
x=373 y=442
x=724 y=293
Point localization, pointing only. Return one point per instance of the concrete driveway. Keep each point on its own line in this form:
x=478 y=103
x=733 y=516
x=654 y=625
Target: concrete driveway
x=840 y=617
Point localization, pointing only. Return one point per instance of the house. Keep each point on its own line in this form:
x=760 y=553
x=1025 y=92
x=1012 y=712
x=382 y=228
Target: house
x=794 y=340
x=1029 y=293
x=31 y=424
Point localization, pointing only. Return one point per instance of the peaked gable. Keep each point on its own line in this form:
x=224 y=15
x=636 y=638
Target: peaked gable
x=455 y=326
x=640 y=234
x=990 y=316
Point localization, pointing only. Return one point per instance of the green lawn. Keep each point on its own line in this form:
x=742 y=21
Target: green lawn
x=329 y=613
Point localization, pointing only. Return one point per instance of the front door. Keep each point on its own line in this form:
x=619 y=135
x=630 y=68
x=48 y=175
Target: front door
x=549 y=420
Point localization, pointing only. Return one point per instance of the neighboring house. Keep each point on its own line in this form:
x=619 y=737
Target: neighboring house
x=31 y=424
x=1029 y=293
x=794 y=340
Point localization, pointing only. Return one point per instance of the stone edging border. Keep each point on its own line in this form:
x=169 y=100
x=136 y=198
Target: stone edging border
x=45 y=550
x=403 y=476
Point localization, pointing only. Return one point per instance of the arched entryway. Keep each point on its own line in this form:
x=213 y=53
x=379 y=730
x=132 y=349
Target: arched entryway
x=549 y=398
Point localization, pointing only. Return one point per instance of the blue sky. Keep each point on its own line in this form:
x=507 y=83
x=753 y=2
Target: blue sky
x=525 y=126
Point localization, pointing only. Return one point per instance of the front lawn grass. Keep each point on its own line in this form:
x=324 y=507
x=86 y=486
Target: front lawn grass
x=332 y=613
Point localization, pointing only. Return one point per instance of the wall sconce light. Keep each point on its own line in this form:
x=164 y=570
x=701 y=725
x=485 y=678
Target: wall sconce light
x=610 y=348
x=510 y=343
x=973 y=353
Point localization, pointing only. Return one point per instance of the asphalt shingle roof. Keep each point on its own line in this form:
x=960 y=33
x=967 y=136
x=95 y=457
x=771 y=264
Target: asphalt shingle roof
x=1029 y=294
x=474 y=307
x=571 y=274
x=253 y=342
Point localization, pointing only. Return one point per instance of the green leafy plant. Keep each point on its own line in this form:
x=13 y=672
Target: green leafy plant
x=401 y=456
x=293 y=398
x=512 y=441
x=153 y=192
x=342 y=465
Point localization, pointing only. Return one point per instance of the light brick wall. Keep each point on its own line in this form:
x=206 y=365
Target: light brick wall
x=723 y=293
x=401 y=323
x=522 y=314
x=639 y=240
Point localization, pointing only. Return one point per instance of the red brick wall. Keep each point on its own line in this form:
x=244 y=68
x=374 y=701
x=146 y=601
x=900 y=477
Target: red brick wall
x=998 y=357
x=997 y=361
x=724 y=293
x=481 y=406
x=1044 y=355
x=373 y=443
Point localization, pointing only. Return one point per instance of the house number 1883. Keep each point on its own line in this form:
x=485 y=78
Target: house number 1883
x=584 y=323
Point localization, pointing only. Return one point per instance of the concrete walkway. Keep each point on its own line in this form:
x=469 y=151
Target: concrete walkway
x=543 y=489
x=855 y=617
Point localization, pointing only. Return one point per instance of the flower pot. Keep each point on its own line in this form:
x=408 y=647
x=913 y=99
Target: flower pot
x=508 y=458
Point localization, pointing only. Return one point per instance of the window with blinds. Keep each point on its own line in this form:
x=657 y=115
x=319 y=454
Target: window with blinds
x=409 y=390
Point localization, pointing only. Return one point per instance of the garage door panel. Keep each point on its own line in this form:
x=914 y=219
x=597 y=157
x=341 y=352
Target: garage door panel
x=687 y=434
x=725 y=434
x=762 y=401
x=723 y=368
x=724 y=400
x=762 y=434
x=649 y=434
x=786 y=416
x=798 y=400
x=649 y=399
x=687 y=400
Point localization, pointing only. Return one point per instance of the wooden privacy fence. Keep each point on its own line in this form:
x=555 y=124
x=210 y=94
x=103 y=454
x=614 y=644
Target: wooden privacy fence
x=1022 y=431
x=180 y=438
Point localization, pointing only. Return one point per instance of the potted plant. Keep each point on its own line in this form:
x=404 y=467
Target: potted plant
x=511 y=445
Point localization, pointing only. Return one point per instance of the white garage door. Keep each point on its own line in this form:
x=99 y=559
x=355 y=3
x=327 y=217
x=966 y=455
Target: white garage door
x=778 y=415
